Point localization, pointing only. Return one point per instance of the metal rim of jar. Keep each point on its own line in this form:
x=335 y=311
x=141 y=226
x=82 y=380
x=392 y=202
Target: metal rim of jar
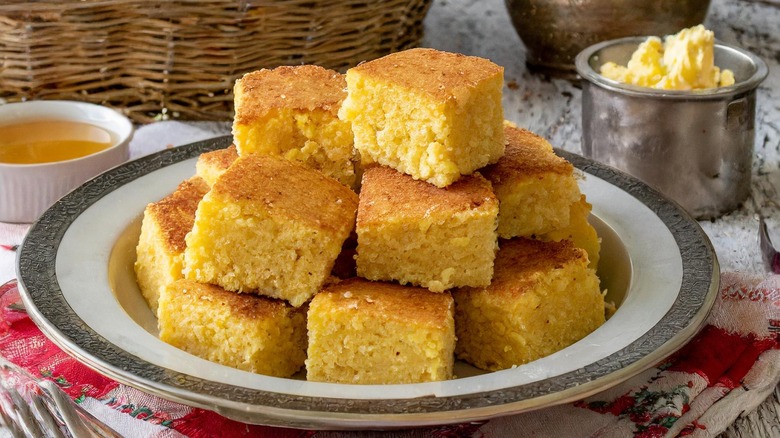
x=584 y=69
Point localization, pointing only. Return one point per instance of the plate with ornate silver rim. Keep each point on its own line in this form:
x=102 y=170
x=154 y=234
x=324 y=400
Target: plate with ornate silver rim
x=76 y=279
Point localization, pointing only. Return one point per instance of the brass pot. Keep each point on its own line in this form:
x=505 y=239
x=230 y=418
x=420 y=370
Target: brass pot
x=555 y=31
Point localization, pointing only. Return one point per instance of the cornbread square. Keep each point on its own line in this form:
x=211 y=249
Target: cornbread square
x=270 y=226
x=367 y=332
x=535 y=187
x=160 y=249
x=416 y=233
x=543 y=298
x=243 y=331
x=430 y=114
x=211 y=165
x=291 y=111
x=580 y=232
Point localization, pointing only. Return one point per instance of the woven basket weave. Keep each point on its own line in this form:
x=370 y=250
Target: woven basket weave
x=177 y=58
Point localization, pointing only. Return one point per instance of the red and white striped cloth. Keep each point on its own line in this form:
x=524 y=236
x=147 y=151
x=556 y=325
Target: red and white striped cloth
x=729 y=368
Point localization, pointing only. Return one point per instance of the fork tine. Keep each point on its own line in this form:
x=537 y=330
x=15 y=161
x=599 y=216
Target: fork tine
x=8 y=414
x=46 y=416
x=25 y=416
x=67 y=411
x=10 y=425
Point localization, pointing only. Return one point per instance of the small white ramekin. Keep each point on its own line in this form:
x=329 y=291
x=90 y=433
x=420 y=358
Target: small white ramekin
x=27 y=190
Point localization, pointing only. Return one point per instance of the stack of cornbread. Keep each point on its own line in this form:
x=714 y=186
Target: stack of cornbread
x=469 y=237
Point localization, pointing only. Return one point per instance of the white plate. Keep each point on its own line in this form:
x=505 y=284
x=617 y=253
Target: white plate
x=76 y=277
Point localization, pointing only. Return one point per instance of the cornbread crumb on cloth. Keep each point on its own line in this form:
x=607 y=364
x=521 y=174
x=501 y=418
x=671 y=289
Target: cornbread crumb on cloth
x=291 y=111
x=543 y=298
x=160 y=251
x=368 y=332
x=429 y=114
x=263 y=229
x=244 y=331
x=416 y=233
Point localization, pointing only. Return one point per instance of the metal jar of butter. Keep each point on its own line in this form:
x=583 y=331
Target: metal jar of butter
x=696 y=147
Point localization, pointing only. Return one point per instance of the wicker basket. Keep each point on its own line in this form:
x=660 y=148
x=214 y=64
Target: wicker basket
x=177 y=58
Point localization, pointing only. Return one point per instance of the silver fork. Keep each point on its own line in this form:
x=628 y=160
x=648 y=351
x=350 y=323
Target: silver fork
x=27 y=418
x=42 y=408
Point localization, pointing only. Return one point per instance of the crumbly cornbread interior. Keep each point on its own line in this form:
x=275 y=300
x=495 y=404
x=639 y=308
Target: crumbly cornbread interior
x=543 y=298
x=211 y=165
x=365 y=332
x=291 y=111
x=535 y=187
x=579 y=231
x=160 y=250
x=415 y=233
x=429 y=114
x=261 y=228
x=244 y=331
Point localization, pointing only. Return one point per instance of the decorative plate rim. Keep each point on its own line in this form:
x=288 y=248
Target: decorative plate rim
x=47 y=307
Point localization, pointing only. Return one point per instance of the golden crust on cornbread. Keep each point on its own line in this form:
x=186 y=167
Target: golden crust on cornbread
x=367 y=332
x=442 y=75
x=543 y=298
x=290 y=190
x=416 y=233
x=211 y=165
x=580 y=232
x=244 y=331
x=303 y=87
x=270 y=226
x=391 y=193
x=292 y=112
x=535 y=187
x=430 y=114
x=160 y=250
x=516 y=135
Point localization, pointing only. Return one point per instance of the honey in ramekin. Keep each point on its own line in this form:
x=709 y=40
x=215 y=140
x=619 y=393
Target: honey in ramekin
x=46 y=141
